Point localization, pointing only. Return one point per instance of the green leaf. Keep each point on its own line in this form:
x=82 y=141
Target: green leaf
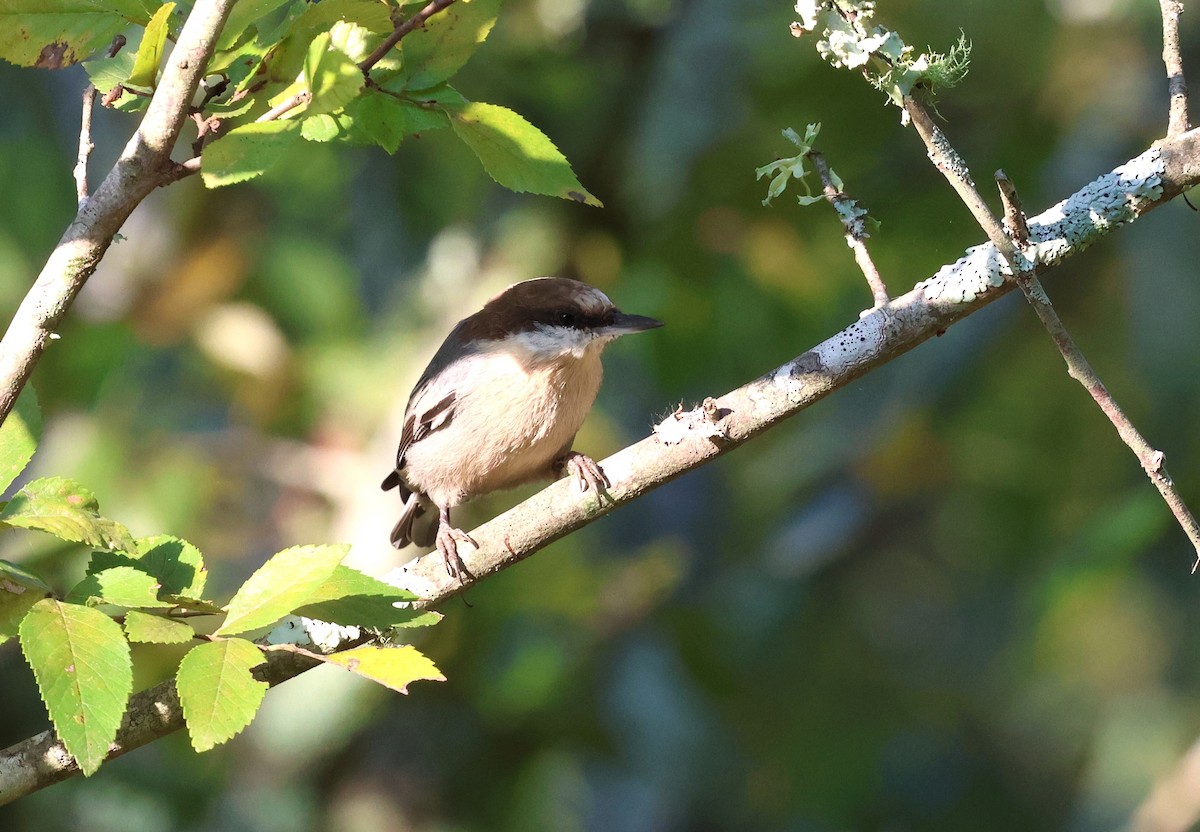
x=149 y=54
x=106 y=73
x=351 y=598
x=52 y=34
x=67 y=510
x=280 y=585
x=20 y=589
x=176 y=564
x=218 y=693
x=155 y=629
x=80 y=659
x=515 y=153
x=122 y=586
x=387 y=120
x=246 y=152
x=333 y=79
x=322 y=128
x=287 y=59
x=393 y=667
x=449 y=38
x=19 y=437
x=244 y=14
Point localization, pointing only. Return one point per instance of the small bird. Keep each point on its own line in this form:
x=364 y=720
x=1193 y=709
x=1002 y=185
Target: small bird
x=500 y=403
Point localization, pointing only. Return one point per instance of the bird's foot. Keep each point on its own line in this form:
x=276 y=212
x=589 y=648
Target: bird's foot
x=447 y=541
x=587 y=471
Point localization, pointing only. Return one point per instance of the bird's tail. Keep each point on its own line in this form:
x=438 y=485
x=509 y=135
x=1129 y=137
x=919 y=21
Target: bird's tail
x=416 y=524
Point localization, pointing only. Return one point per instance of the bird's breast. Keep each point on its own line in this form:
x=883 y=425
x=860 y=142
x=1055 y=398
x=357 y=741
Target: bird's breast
x=513 y=416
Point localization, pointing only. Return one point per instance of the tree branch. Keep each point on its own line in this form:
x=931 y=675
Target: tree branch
x=138 y=171
x=685 y=441
x=417 y=21
x=947 y=160
x=1177 y=121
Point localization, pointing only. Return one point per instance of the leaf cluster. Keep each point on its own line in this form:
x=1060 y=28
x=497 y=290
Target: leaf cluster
x=286 y=72
x=152 y=590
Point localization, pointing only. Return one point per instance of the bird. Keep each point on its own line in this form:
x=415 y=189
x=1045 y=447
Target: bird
x=500 y=403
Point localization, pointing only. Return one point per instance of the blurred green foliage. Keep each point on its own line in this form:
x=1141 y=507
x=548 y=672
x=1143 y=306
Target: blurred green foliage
x=945 y=598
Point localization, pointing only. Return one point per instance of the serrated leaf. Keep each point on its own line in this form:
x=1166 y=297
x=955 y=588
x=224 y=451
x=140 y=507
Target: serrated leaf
x=286 y=59
x=122 y=586
x=283 y=583
x=394 y=667
x=333 y=78
x=246 y=152
x=218 y=693
x=67 y=510
x=176 y=564
x=447 y=41
x=243 y=14
x=19 y=437
x=515 y=153
x=149 y=54
x=20 y=589
x=106 y=73
x=351 y=598
x=387 y=120
x=320 y=128
x=144 y=628
x=52 y=34
x=80 y=659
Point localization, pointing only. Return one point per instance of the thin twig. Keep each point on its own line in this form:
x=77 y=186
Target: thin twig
x=285 y=106
x=946 y=159
x=85 y=144
x=854 y=220
x=415 y=22
x=1177 y=122
x=1015 y=223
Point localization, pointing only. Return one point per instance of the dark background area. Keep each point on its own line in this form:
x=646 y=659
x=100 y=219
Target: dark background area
x=944 y=598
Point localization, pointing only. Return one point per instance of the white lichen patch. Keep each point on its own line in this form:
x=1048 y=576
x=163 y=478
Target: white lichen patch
x=701 y=422
x=309 y=632
x=1112 y=200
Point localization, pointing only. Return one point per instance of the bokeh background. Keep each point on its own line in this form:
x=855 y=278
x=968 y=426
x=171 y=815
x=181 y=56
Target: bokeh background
x=945 y=598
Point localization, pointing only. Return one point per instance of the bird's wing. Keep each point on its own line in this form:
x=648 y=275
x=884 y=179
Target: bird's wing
x=419 y=423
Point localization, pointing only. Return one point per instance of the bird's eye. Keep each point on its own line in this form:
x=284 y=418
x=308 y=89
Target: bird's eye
x=566 y=318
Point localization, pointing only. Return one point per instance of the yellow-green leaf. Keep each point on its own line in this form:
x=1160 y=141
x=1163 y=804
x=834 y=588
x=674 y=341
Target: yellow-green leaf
x=351 y=598
x=156 y=629
x=393 y=667
x=122 y=586
x=246 y=152
x=67 y=510
x=515 y=153
x=333 y=78
x=283 y=583
x=149 y=54
x=57 y=33
x=20 y=589
x=218 y=693
x=19 y=437
x=80 y=659
x=176 y=564
x=434 y=53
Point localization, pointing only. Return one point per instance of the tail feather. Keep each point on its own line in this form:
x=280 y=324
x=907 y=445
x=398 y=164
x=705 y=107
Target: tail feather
x=414 y=525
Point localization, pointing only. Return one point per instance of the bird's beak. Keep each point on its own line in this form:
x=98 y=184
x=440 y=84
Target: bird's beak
x=624 y=324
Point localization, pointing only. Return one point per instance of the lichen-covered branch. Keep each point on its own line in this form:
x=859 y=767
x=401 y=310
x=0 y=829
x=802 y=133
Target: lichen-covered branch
x=1021 y=267
x=137 y=172
x=685 y=441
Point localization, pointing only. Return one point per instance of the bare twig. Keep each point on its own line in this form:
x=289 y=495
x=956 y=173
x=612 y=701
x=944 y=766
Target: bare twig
x=417 y=21
x=854 y=220
x=85 y=144
x=286 y=106
x=1014 y=215
x=952 y=166
x=138 y=171
x=1177 y=122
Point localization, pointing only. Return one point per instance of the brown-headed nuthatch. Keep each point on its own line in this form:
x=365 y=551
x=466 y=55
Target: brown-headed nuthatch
x=500 y=403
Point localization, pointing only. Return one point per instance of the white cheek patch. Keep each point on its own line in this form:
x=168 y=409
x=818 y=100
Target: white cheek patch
x=548 y=343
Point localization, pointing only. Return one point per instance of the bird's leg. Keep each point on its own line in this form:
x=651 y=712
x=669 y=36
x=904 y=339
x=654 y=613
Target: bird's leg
x=585 y=468
x=447 y=541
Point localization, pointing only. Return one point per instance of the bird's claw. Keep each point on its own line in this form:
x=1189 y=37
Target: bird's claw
x=447 y=541
x=587 y=471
